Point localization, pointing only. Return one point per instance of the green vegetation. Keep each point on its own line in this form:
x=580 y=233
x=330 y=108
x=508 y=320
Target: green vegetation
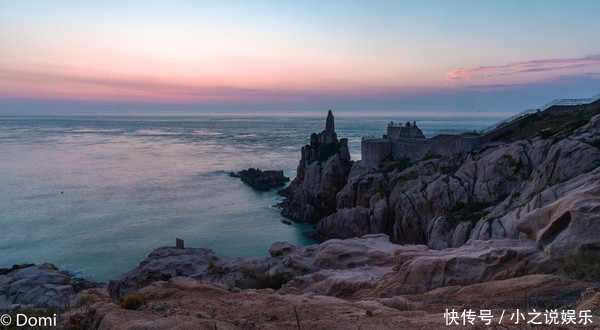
x=547 y=126
x=510 y=160
x=399 y=164
x=471 y=211
x=595 y=143
x=321 y=151
x=451 y=169
x=83 y=300
x=514 y=164
x=215 y=267
x=275 y=281
x=133 y=302
x=582 y=266
x=431 y=156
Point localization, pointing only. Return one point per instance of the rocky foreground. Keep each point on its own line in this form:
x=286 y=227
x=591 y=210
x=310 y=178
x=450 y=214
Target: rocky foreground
x=347 y=284
x=509 y=231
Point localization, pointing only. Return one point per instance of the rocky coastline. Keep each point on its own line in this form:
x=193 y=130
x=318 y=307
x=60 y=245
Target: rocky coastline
x=514 y=225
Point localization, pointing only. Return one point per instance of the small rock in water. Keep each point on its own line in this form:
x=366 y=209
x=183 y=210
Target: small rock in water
x=286 y=222
x=262 y=180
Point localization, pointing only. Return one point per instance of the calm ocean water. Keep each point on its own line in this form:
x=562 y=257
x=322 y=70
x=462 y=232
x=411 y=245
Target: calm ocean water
x=96 y=194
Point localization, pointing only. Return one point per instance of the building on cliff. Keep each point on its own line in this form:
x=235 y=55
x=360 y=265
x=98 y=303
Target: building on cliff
x=409 y=141
x=396 y=131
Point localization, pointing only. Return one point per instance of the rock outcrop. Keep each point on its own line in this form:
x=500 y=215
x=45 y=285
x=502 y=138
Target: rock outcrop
x=262 y=180
x=342 y=268
x=350 y=256
x=39 y=286
x=323 y=171
x=443 y=202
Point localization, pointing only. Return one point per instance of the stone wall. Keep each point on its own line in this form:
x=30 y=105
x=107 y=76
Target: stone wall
x=374 y=151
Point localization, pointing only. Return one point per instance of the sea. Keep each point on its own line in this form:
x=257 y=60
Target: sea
x=95 y=194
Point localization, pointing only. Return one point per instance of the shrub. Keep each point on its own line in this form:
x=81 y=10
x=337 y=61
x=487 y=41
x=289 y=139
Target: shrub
x=545 y=133
x=582 y=266
x=215 y=267
x=471 y=211
x=595 y=143
x=133 y=302
x=84 y=300
x=399 y=164
x=431 y=156
x=275 y=281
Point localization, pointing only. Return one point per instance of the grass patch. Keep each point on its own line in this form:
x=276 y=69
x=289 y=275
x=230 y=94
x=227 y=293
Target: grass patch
x=133 y=302
x=321 y=151
x=215 y=267
x=399 y=164
x=431 y=156
x=275 y=281
x=83 y=300
x=595 y=143
x=582 y=266
x=471 y=211
x=450 y=170
x=510 y=160
x=546 y=125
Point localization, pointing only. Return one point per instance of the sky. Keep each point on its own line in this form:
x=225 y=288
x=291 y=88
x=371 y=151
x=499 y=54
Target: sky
x=474 y=57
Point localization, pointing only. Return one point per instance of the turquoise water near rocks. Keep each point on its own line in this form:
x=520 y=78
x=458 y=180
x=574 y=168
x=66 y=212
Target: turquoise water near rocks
x=96 y=194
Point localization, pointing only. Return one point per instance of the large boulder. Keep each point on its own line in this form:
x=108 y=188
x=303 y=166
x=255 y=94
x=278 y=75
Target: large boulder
x=418 y=269
x=38 y=286
x=568 y=225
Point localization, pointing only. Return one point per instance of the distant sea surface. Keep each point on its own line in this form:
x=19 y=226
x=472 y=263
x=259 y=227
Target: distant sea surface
x=96 y=194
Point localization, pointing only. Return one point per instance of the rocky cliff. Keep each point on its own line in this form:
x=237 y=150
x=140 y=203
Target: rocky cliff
x=444 y=201
x=323 y=171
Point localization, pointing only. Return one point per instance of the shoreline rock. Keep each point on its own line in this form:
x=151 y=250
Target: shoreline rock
x=261 y=180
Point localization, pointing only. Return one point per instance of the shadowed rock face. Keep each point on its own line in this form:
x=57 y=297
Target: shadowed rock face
x=322 y=172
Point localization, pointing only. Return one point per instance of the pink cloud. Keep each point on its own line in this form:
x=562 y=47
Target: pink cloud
x=16 y=83
x=521 y=68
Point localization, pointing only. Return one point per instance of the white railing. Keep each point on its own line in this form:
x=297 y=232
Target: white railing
x=509 y=119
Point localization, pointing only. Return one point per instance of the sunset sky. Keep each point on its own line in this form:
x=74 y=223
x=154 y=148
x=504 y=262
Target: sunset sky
x=285 y=56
